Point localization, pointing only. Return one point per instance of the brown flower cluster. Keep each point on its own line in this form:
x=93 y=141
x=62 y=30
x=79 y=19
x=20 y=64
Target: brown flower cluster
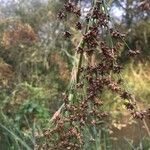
x=82 y=111
x=69 y=7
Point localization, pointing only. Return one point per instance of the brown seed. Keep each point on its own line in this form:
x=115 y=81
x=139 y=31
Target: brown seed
x=67 y=34
x=61 y=15
x=78 y=26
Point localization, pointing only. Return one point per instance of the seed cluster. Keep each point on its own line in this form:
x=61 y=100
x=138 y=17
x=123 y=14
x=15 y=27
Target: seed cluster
x=94 y=80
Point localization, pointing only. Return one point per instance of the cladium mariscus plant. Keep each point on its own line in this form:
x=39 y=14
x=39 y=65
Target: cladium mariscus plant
x=82 y=120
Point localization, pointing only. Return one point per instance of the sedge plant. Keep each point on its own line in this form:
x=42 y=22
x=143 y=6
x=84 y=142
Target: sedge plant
x=81 y=120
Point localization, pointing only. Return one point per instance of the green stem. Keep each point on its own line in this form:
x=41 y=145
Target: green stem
x=79 y=66
x=83 y=44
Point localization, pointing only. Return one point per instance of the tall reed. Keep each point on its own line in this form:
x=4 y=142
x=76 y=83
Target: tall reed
x=79 y=122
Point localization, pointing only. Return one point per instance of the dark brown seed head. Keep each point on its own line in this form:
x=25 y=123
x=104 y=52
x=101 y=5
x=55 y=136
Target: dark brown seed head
x=61 y=15
x=67 y=34
x=129 y=106
x=125 y=95
x=78 y=26
x=77 y=12
x=69 y=7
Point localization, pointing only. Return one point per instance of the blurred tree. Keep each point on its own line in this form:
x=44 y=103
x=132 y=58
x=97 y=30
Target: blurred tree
x=135 y=21
x=133 y=10
x=31 y=51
